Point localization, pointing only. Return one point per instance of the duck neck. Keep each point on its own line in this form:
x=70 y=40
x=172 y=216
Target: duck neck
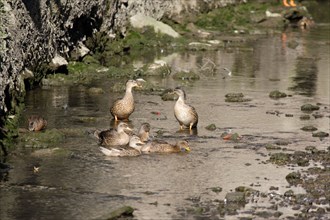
x=128 y=93
x=180 y=99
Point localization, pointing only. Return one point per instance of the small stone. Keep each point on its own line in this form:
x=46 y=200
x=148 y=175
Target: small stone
x=211 y=127
x=277 y=94
x=273 y=188
x=309 y=128
x=305 y=117
x=120 y=213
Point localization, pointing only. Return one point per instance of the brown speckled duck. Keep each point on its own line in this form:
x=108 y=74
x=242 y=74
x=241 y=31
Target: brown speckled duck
x=144 y=132
x=164 y=147
x=36 y=123
x=123 y=108
x=184 y=113
x=114 y=137
x=134 y=149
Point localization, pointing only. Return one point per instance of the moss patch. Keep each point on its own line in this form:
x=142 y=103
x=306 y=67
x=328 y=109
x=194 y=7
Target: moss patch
x=45 y=139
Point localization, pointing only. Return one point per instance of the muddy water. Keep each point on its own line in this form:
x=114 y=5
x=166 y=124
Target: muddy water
x=82 y=184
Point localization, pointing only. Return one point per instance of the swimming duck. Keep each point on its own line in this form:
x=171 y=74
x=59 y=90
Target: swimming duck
x=113 y=137
x=184 y=113
x=144 y=132
x=123 y=108
x=157 y=146
x=134 y=149
x=36 y=123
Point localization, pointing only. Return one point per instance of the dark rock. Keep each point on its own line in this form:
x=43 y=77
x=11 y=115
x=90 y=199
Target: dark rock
x=309 y=107
x=320 y=134
x=246 y=190
x=282 y=142
x=216 y=189
x=236 y=97
x=309 y=128
x=277 y=94
x=305 y=117
x=289 y=193
x=273 y=188
x=294 y=178
x=264 y=214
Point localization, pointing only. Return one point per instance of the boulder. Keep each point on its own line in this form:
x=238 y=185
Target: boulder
x=140 y=21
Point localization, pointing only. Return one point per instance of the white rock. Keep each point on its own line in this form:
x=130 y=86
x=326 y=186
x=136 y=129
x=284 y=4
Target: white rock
x=272 y=15
x=58 y=61
x=140 y=21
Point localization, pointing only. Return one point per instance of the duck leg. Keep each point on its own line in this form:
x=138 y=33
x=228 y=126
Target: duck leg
x=285 y=3
x=292 y=3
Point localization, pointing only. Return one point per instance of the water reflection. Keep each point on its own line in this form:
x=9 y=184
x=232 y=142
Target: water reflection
x=305 y=80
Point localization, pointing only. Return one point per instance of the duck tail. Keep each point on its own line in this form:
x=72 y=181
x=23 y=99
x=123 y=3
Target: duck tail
x=110 y=152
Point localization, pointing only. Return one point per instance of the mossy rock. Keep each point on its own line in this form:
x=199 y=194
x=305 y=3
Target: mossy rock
x=186 y=75
x=236 y=197
x=43 y=139
x=309 y=108
x=321 y=134
x=120 y=213
x=236 y=97
x=294 y=178
x=280 y=158
x=309 y=128
x=272 y=147
x=277 y=94
x=246 y=190
x=211 y=127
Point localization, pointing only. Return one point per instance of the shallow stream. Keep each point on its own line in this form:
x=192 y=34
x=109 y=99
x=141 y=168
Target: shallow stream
x=80 y=183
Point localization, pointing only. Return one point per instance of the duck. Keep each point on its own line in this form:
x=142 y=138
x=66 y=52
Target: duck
x=185 y=114
x=122 y=108
x=143 y=133
x=112 y=137
x=157 y=146
x=133 y=149
x=36 y=123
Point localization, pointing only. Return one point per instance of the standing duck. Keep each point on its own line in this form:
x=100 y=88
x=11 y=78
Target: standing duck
x=144 y=132
x=123 y=108
x=134 y=149
x=184 y=113
x=113 y=137
x=164 y=147
x=36 y=123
